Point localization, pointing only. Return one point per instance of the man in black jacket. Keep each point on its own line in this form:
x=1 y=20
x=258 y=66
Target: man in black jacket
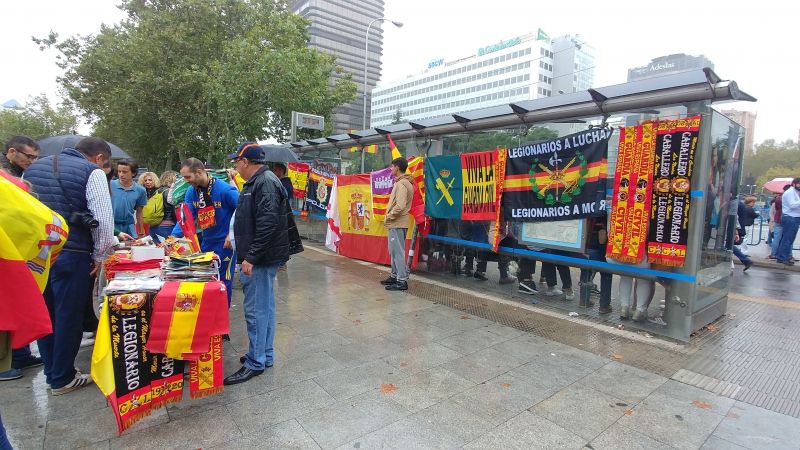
x=262 y=245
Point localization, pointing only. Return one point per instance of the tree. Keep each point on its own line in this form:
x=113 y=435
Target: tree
x=398 y=117
x=181 y=78
x=771 y=158
x=38 y=119
x=482 y=141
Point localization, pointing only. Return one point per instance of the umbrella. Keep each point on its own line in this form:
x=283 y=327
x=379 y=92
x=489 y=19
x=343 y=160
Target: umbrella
x=54 y=144
x=279 y=153
x=777 y=184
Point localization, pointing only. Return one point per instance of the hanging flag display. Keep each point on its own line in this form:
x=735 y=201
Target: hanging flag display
x=333 y=233
x=633 y=193
x=381 y=182
x=186 y=222
x=298 y=174
x=318 y=189
x=444 y=190
x=673 y=163
x=416 y=168
x=360 y=235
x=559 y=179
x=395 y=151
x=482 y=174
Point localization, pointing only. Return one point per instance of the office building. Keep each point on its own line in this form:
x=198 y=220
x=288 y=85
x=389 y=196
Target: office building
x=665 y=65
x=339 y=28
x=521 y=68
x=747 y=120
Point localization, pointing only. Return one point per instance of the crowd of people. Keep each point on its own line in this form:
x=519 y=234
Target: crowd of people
x=105 y=202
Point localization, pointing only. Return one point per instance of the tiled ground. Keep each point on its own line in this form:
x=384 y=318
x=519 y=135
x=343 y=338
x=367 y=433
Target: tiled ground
x=357 y=367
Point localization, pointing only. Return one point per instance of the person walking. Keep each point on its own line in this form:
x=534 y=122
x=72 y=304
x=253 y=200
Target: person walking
x=777 y=227
x=790 y=220
x=73 y=184
x=397 y=221
x=260 y=230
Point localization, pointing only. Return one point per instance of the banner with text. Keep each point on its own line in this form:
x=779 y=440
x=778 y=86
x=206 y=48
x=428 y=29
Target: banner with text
x=676 y=143
x=444 y=187
x=633 y=193
x=559 y=179
x=482 y=174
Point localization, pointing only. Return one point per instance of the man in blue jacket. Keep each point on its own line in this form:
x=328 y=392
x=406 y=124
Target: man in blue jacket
x=212 y=203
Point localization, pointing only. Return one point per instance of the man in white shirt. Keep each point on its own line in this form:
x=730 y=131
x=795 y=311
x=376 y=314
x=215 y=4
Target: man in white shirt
x=790 y=221
x=74 y=184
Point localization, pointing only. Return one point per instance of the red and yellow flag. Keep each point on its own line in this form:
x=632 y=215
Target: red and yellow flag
x=186 y=221
x=395 y=152
x=298 y=174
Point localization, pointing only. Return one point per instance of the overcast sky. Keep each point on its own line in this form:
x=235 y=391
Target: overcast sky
x=753 y=43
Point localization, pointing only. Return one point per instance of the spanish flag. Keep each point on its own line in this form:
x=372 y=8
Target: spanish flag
x=31 y=235
x=186 y=221
x=395 y=152
x=185 y=317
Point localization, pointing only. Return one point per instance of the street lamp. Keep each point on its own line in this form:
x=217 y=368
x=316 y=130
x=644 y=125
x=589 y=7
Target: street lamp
x=366 y=53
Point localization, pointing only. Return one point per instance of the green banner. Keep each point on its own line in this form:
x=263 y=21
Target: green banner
x=443 y=187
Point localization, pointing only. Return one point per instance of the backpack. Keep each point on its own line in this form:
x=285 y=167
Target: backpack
x=153 y=211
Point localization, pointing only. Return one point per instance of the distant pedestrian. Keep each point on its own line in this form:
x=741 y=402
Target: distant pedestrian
x=397 y=222
x=777 y=226
x=790 y=220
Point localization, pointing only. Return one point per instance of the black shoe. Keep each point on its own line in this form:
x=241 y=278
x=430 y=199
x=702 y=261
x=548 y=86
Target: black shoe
x=242 y=359
x=528 y=287
x=604 y=310
x=388 y=281
x=397 y=286
x=467 y=272
x=241 y=376
x=31 y=361
x=480 y=276
x=747 y=266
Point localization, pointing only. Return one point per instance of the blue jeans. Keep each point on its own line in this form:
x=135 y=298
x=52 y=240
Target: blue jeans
x=259 y=314
x=599 y=254
x=160 y=231
x=4 y=444
x=788 y=234
x=776 y=239
x=742 y=257
x=227 y=263
x=66 y=297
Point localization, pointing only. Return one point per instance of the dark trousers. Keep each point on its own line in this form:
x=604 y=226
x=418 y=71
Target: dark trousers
x=65 y=296
x=526 y=266
x=20 y=355
x=549 y=272
x=599 y=254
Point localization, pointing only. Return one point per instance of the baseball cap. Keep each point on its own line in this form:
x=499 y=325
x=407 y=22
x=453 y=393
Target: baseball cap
x=249 y=150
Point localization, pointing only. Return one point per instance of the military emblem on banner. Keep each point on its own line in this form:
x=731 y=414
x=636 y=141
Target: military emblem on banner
x=322 y=193
x=444 y=190
x=551 y=183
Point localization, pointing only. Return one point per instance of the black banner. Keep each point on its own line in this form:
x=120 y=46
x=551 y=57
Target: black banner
x=676 y=142
x=560 y=179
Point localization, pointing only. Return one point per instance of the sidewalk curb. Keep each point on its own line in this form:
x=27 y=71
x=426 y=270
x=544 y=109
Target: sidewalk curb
x=769 y=265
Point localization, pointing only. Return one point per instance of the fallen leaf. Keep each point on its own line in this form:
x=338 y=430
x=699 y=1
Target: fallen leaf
x=484 y=304
x=357 y=321
x=617 y=357
x=629 y=412
x=388 y=388
x=712 y=327
x=465 y=317
x=701 y=404
x=403 y=364
x=733 y=415
x=506 y=385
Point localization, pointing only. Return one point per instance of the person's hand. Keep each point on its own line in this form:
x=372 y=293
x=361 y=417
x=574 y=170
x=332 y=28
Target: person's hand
x=95 y=268
x=125 y=237
x=247 y=268
x=227 y=243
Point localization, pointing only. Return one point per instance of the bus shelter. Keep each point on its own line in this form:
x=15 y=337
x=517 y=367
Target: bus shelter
x=692 y=216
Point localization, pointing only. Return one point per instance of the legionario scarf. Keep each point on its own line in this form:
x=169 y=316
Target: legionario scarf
x=676 y=142
x=559 y=179
x=633 y=193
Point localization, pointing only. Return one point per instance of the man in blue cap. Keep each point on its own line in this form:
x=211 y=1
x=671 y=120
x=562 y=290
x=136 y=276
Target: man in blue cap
x=212 y=203
x=261 y=232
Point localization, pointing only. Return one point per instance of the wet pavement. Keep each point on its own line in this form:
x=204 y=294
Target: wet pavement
x=461 y=367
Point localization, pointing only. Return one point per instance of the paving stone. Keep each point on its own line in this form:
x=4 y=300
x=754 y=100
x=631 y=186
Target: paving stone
x=255 y=413
x=582 y=410
x=441 y=426
x=715 y=443
x=483 y=365
x=422 y=357
x=356 y=380
x=754 y=427
x=428 y=387
x=472 y=341
x=199 y=431
x=348 y=419
x=287 y=435
x=528 y=431
x=299 y=346
x=504 y=397
x=553 y=372
x=360 y=352
x=624 y=382
x=618 y=437
x=526 y=347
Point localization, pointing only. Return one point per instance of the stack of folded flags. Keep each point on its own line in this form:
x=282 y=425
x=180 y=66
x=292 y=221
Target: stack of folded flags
x=197 y=267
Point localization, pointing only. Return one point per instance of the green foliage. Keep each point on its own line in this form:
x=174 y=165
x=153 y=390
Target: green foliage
x=772 y=159
x=479 y=141
x=182 y=78
x=38 y=119
x=398 y=117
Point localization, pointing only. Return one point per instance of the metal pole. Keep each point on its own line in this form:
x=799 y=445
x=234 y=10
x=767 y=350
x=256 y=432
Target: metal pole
x=294 y=127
